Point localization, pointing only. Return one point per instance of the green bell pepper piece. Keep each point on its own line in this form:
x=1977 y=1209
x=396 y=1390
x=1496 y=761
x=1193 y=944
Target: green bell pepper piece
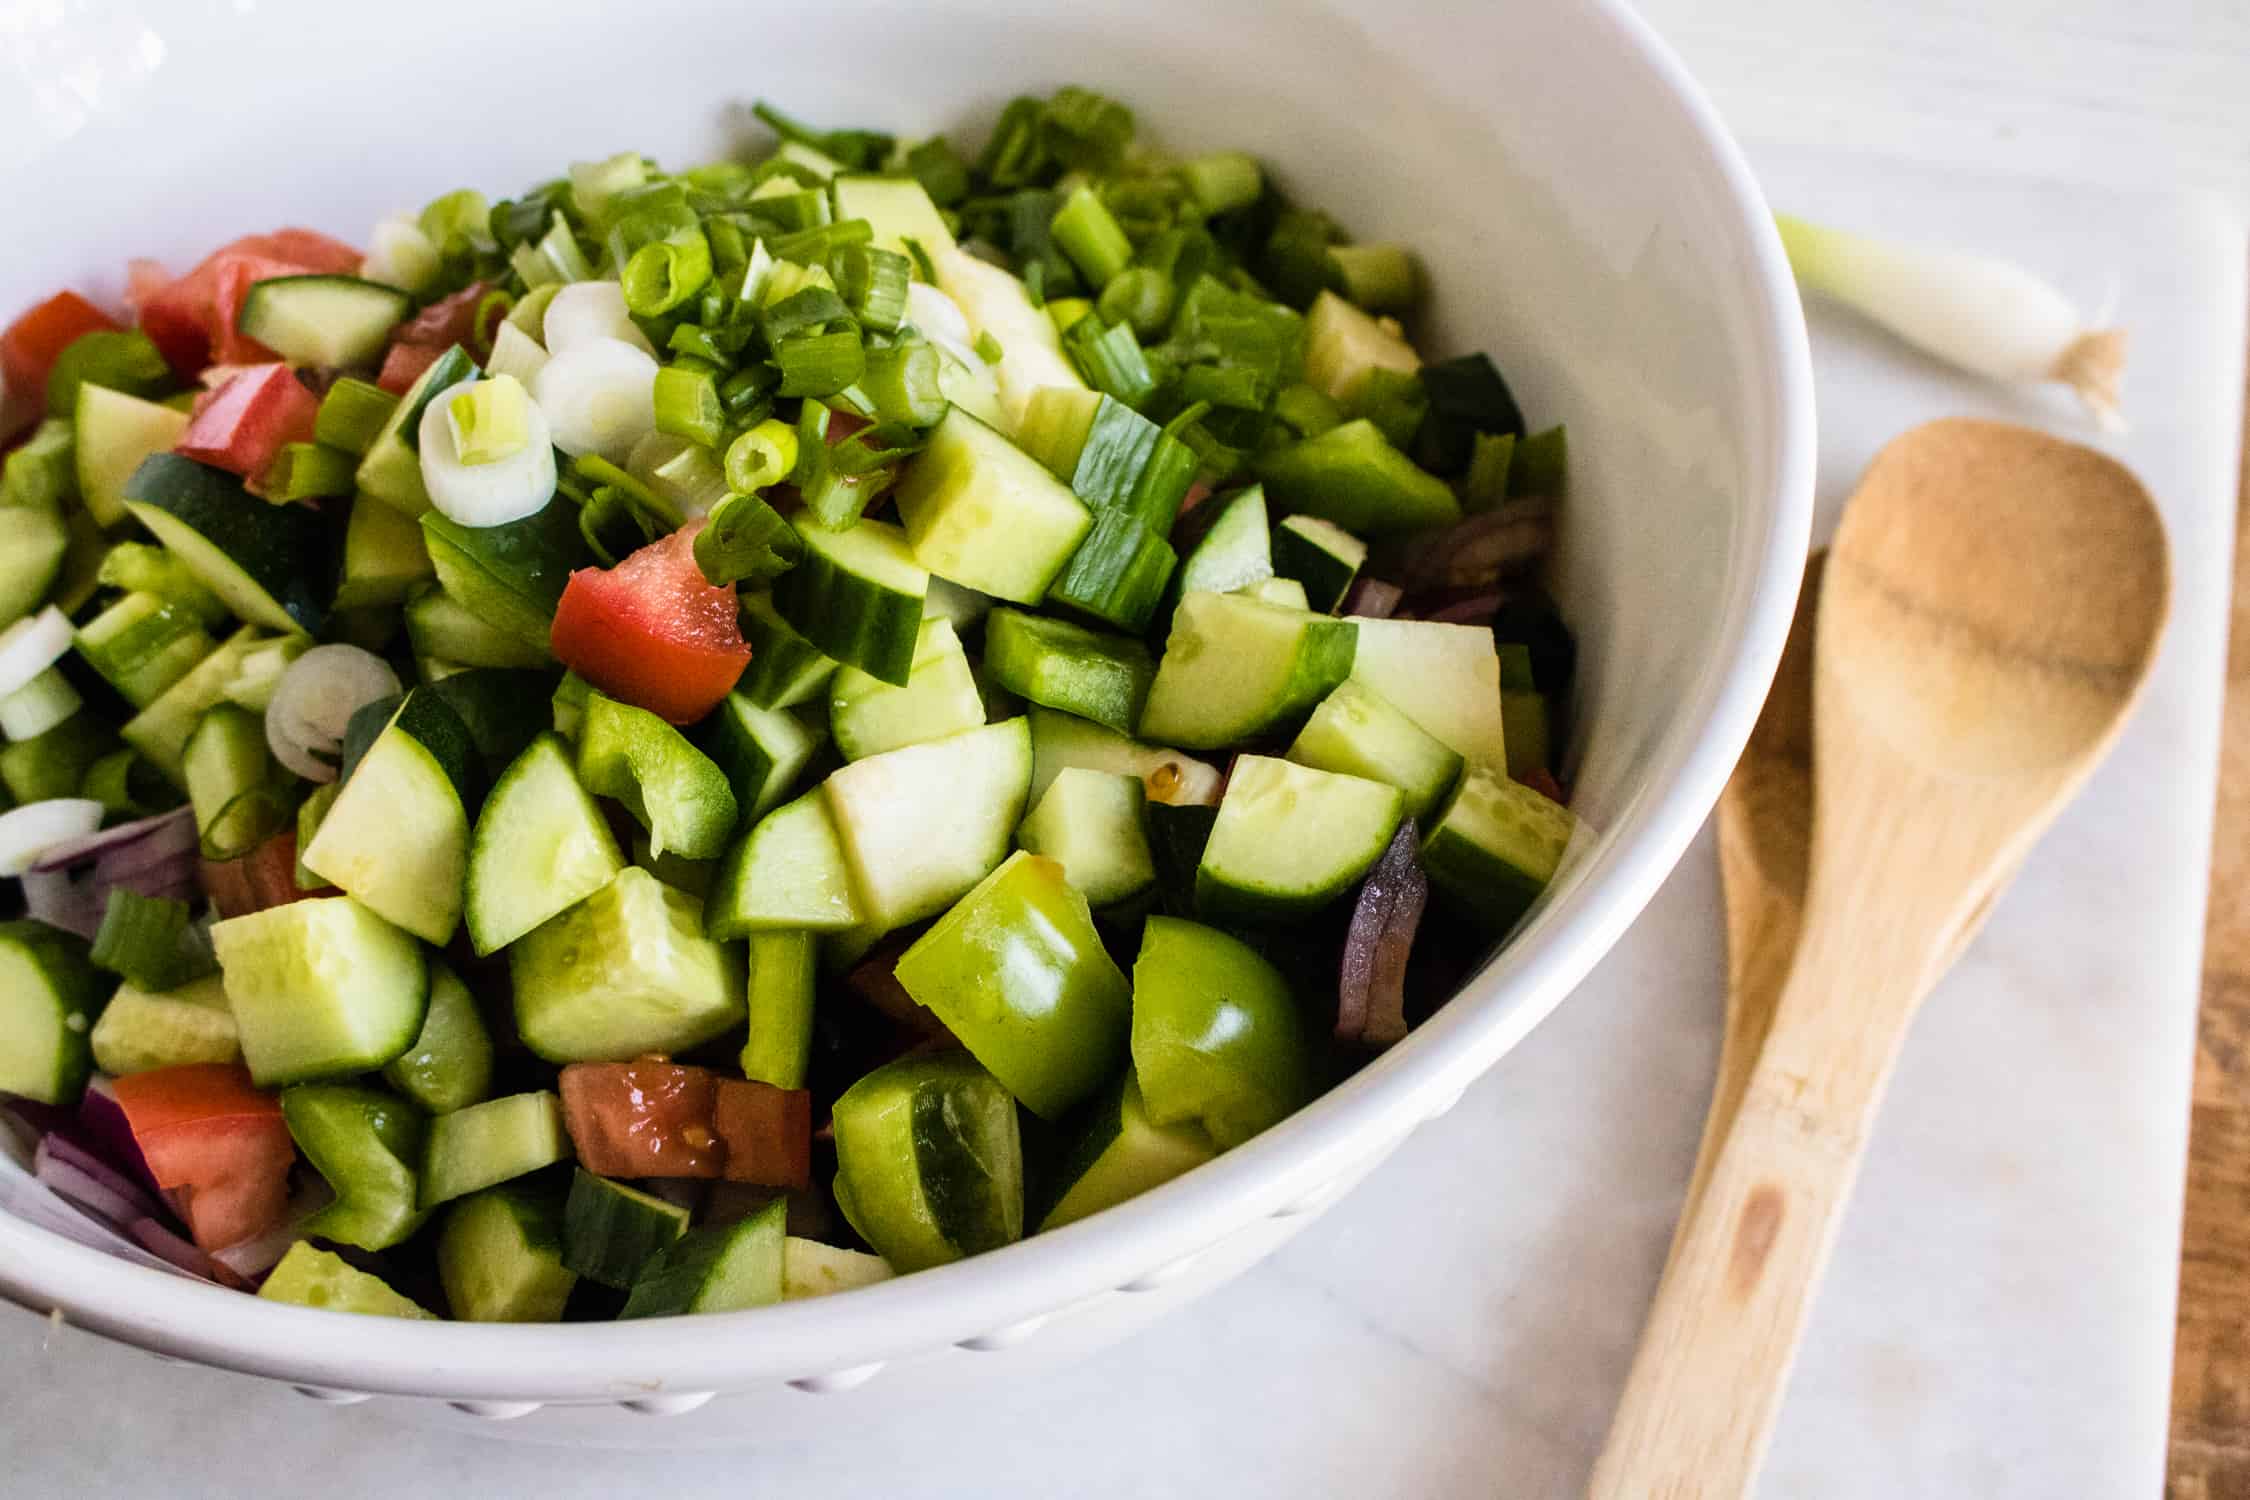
x=361 y=1140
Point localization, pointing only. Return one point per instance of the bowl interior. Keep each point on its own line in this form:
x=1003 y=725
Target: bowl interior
x=1579 y=212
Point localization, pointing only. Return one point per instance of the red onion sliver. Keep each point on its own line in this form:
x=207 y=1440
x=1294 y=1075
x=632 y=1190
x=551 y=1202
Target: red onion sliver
x=164 y=1244
x=1477 y=609
x=165 y=835
x=71 y=1153
x=1372 y=598
x=1371 y=997
x=73 y=906
x=101 y=1120
x=253 y=1257
x=83 y=1189
x=1477 y=552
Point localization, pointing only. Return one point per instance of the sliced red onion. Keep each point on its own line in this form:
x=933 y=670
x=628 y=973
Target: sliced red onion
x=31 y=646
x=1476 y=609
x=101 y=1120
x=68 y=905
x=75 y=1185
x=253 y=1257
x=1478 y=552
x=28 y=832
x=1371 y=997
x=1372 y=598
x=58 y=1147
x=316 y=699
x=130 y=846
x=181 y=1254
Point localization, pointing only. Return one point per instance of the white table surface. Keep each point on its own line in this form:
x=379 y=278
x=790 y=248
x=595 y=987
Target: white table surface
x=1459 y=1325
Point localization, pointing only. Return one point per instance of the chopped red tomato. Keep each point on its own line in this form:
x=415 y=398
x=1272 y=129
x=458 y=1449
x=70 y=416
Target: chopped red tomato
x=653 y=631
x=767 y=1131
x=219 y=1147
x=247 y=420
x=30 y=344
x=145 y=281
x=266 y=876
x=403 y=364
x=648 y=1118
x=193 y=317
x=445 y=322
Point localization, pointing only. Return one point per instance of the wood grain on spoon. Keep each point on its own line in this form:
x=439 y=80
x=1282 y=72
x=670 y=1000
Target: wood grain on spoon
x=1988 y=615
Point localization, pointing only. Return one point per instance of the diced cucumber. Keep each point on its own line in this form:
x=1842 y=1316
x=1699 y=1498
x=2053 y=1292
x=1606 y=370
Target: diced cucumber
x=1217 y=1038
x=1523 y=711
x=540 y=846
x=231 y=776
x=1059 y=665
x=160 y=731
x=1090 y=822
x=311 y=1277
x=1119 y=1153
x=1356 y=731
x=320 y=989
x=142 y=644
x=139 y=1032
x=442 y=630
x=1017 y=971
x=1444 y=677
x=624 y=972
x=1495 y=847
x=449 y=1066
x=1321 y=555
x=32 y=544
x=510 y=576
x=997 y=304
x=322 y=320
x=987 y=515
x=112 y=433
x=898 y=209
x=1285 y=592
x=1118 y=574
x=778 y=1049
x=1234 y=669
x=397 y=836
x=1351 y=475
x=503 y=708
x=856 y=595
x=1060 y=741
x=49 y=995
x=55 y=763
x=1291 y=839
x=264 y=560
x=920 y=826
x=788 y=872
x=1236 y=552
x=353 y=414
x=963 y=609
x=1109 y=454
x=691 y=875
x=611 y=1232
x=762 y=751
x=1343 y=345
x=145 y=568
x=366 y=1143
x=723 y=1268
x=785 y=669
x=812 y=1269
x=929 y=1162
x=500 y=1260
x=672 y=789
x=384 y=558
x=487 y=1144
x=391 y=471
x=869 y=716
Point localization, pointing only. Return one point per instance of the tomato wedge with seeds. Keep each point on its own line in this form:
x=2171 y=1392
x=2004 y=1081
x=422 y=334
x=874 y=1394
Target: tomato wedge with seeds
x=247 y=420
x=653 y=631
x=649 y=1118
x=215 y=1144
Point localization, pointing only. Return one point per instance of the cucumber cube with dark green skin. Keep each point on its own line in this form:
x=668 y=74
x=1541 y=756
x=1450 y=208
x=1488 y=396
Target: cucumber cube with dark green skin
x=540 y=845
x=140 y=1031
x=982 y=512
x=1351 y=475
x=1235 y=668
x=1018 y=973
x=32 y=544
x=320 y=989
x=624 y=972
x=1060 y=741
x=671 y=788
x=397 y=836
x=160 y=731
x=113 y=431
x=1495 y=847
x=1090 y=823
x=856 y=595
x=1217 y=1040
x=762 y=751
x=442 y=630
x=391 y=470
x=384 y=556
x=787 y=873
x=1116 y=1153
x=510 y=576
x=1118 y=574
x=611 y=1232
x=920 y=826
x=785 y=669
x=1060 y=665
x=500 y=1256
x=929 y=1161
x=490 y=1143
x=312 y=1277
x=1290 y=839
x=322 y=319
x=366 y=1143
x=1319 y=554
x=50 y=992
x=939 y=698
x=272 y=564
x=142 y=644
x=449 y=1066
x=1444 y=677
x=1237 y=551
x=723 y=1268
x=1356 y=731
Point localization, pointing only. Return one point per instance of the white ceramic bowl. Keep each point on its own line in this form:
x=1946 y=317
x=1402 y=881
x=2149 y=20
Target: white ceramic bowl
x=1585 y=218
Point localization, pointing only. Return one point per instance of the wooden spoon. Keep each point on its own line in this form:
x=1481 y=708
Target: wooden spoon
x=1988 y=616
x=1765 y=855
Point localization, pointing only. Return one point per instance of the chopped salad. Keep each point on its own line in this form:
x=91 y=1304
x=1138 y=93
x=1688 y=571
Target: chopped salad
x=689 y=738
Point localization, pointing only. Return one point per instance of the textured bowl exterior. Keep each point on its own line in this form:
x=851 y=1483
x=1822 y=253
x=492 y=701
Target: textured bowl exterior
x=1584 y=216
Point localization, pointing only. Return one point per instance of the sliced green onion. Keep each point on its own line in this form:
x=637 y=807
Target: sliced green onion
x=901 y=385
x=399 y=254
x=594 y=183
x=38 y=706
x=723 y=178
x=765 y=455
x=873 y=284
x=308 y=471
x=786 y=278
x=1485 y=485
x=1235 y=387
x=661 y=276
x=697 y=342
x=860 y=149
x=988 y=348
x=820 y=364
x=1110 y=359
x=590 y=471
x=490 y=421
x=515 y=353
x=1296 y=263
x=1380 y=278
x=940 y=170
x=491 y=312
x=140 y=938
x=746 y=390
x=458 y=223
x=785 y=210
x=923 y=270
x=800 y=312
x=1223 y=181
x=613 y=526
x=746 y=539
x=1081 y=128
x=1141 y=297
x=815 y=246
x=687 y=402
x=556 y=257
x=519 y=221
x=685 y=474
x=1068 y=311
x=127 y=361
x=812 y=443
x=730 y=247
x=352 y=415
x=530 y=312
x=1090 y=236
x=1015 y=154
x=248 y=820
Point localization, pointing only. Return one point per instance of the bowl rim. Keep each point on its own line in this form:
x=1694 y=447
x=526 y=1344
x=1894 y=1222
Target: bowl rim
x=1285 y=1171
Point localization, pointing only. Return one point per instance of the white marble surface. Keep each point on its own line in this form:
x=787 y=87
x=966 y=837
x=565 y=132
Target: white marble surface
x=1998 y=1321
